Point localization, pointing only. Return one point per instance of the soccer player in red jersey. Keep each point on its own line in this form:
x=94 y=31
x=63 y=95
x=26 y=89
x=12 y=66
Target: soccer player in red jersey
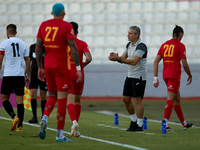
x=172 y=52
x=57 y=34
x=77 y=88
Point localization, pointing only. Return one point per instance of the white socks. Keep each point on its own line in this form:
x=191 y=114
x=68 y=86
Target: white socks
x=60 y=134
x=133 y=117
x=45 y=117
x=139 y=122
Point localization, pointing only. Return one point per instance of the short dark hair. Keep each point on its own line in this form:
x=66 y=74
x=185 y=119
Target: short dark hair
x=11 y=28
x=75 y=26
x=177 y=30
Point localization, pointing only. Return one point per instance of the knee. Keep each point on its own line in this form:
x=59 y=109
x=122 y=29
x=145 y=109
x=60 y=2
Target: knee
x=53 y=94
x=126 y=99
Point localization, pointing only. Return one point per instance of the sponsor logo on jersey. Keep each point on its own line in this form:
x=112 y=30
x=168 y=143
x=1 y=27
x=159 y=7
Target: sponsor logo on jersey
x=65 y=86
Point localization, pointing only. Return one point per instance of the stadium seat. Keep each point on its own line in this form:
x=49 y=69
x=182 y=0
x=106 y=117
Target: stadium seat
x=135 y=7
x=110 y=41
x=99 y=18
x=111 y=18
x=171 y=7
x=26 y=19
x=24 y=9
x=183 y=6
x=123 y=29
x=47 y=9
x=98 y=7
x=4 y=20
x=182 y=16
x=147 y=7
x=171 y=17
x=123 y=7
x=194 y=6
x=3 y=9
x=159 y=7
x=12 y=9
x=86 y=7
x=123 y=17
x=37 y=9
x=86 y=30
x=73 y=8
x=38 y=19
x=99 y=30
x=2 y=31
x=121 y=42
x=110 y=7
x=110 y=29
x=99 y=41
x=193 y=16
x=87 y=18
x=16 y=19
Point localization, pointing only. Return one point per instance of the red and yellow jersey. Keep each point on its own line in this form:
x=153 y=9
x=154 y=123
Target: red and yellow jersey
x=172 y=52
x=82 y=48
x=54 y=34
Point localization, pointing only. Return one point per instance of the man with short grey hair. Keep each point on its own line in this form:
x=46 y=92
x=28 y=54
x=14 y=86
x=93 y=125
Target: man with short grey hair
x=135 y=55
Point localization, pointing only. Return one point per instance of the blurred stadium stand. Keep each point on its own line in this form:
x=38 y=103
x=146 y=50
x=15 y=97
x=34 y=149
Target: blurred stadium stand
x=104 y=23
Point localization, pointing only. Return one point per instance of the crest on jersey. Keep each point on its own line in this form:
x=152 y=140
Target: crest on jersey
x=72 y=31
x=185 y=53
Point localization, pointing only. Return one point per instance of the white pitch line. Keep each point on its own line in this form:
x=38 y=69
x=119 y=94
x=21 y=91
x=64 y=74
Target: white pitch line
x=86 y=137
x=110 y=113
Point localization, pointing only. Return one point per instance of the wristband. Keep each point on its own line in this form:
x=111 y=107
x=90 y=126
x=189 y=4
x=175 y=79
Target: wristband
x=119 y=60
x=78 y=68
x=155 y=78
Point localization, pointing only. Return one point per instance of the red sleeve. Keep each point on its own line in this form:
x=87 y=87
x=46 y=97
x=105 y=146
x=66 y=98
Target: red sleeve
x=160 y=51
x=39 y=33
x=1 y=52
x=70 y=32
x=183 y=51
x=85 y=48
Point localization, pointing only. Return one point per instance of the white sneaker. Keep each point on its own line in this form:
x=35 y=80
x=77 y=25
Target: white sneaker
x=75 y=130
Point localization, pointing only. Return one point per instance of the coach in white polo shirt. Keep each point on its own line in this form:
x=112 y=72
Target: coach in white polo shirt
x=13 y=51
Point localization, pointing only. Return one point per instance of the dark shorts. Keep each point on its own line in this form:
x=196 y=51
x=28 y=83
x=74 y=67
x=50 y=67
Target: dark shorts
x=13 y=84
x=35 y=82
x=134 y=87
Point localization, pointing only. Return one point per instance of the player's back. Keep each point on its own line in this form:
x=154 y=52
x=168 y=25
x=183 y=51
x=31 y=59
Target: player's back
x=172 y=52
x=82 y=48
x=55 y=33
x=14 y=52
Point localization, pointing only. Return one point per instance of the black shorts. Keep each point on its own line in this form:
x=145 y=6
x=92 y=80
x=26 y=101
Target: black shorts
x=13 y=84
x=35 y=82
x=134 y=87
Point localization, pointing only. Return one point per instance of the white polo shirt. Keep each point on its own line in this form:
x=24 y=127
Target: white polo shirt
x=14 y=52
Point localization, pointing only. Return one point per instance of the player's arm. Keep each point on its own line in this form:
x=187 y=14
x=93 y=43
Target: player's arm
x=88 y=59
x=74 y=53
x=27 y=70
x=187 y=70
x=155 y=70
x=38 y=51
x=1 y=60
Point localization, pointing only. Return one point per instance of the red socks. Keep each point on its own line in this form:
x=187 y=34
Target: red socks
x=179 y=112
x=78 y=111
x=49 y=105
x=168 y=109
x=71 y=112
x=61 y=113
